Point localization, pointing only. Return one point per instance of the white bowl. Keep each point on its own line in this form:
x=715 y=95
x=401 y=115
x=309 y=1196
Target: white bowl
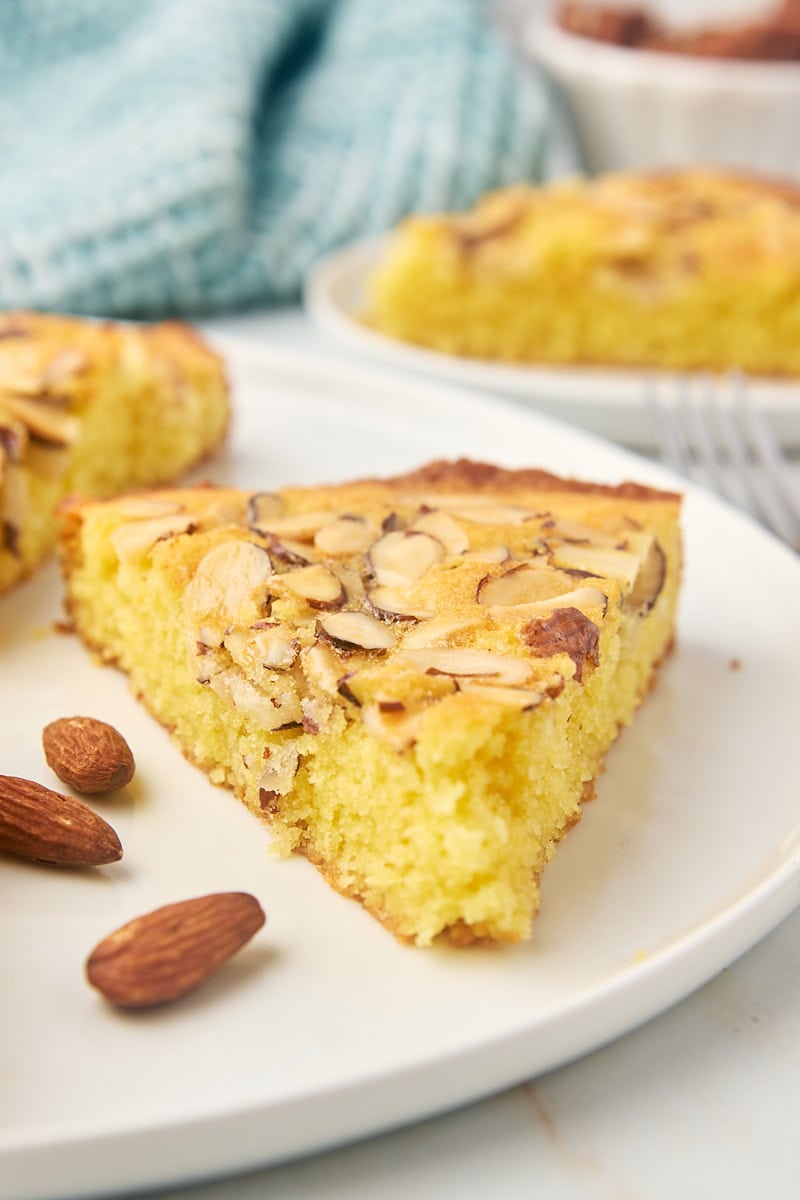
x=642 y=109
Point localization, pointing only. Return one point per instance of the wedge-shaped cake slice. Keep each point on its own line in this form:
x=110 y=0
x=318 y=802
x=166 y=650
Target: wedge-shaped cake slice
x=414 y=681
x=95 y=408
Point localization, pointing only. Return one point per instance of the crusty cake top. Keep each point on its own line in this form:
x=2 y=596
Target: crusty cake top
x=459 y=584
x=734 y=220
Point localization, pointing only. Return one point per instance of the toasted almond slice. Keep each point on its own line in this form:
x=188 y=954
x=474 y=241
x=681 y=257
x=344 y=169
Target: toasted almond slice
x=393 y=604
x=493 y=513
x=650 y=579
x=523 y=699
x=580 y=598
x=357 y=629
x=318 y=586
x=403 y=556
x=229 y=587
x=287 y=551
x=445 y=529
x=566 y=529
x=13 y=436
x=437 y=631
x=263 y=505
x=48 y=424
x=498 y=554
x=323 y=668
x=67 y=362
x=458 y=661
x=266 y=712
x=137 y=537
x=520 y=585
x=398 y=729
x=606 y=561
x=265 y=644
x=345 y=536
x=303 y=526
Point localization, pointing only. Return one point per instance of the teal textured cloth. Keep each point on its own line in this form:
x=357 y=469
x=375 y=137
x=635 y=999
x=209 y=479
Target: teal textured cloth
x=197 y=156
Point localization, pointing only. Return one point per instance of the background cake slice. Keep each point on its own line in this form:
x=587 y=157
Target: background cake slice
x=689 y=269
x=413 y=680
x=95 y=408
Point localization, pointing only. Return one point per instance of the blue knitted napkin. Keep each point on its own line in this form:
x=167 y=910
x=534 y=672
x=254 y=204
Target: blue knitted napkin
x=196 y=156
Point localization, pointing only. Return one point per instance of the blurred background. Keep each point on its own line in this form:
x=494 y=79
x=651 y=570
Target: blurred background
x=197 y=157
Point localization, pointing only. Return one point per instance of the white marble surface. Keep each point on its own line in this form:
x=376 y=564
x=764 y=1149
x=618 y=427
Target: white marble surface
x=701 y=1102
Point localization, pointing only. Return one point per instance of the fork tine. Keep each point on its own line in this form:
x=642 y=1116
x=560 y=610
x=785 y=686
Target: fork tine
x=699 y=413
x=669 y=433
x=717 y=437
x=777 y=496
x=730 y=437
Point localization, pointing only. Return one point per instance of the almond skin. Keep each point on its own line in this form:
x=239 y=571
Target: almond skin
x=172 y=950
x=88 y=754
x=44 y=826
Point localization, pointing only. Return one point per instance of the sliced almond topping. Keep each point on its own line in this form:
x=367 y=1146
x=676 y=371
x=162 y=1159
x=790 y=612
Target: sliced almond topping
x=13 y=437
x=263 y=505
x=523 y=699
x=303 y=526
x=288 y=552
x=520 y=585
x=323 y=668
x=229 y=587
x=585 y=597
x=498 y=554
x=599 y=560
x=265 y=644
x=48 y=424
x=458 y=661
x=357 y=629
x=137 y=537
x=650 y=579
x=438 y=630
x=345 y=536
x=567 y=530
x=318 y=586
x=393 y=604
x=445 y=529
x=267 y=712
x=398 y=729
x=278 y=776
x=66 y=363
x=491 y=512
x=403 y=556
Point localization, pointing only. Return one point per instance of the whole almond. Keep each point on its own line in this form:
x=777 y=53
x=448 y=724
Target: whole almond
x=88 y=754
x=43 y=825
x=168 y=952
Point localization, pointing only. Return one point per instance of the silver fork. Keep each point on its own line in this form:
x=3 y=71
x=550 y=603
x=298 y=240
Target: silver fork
x=711 y=431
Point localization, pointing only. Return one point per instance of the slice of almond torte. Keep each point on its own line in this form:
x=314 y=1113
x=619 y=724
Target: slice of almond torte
x=414 y=681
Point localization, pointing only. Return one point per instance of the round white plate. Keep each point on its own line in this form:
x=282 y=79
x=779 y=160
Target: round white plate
x=603 y=400
x=324 y=1028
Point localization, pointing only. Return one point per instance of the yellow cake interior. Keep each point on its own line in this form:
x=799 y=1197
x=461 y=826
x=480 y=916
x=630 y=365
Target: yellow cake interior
x=431 y=774
x=691 y=269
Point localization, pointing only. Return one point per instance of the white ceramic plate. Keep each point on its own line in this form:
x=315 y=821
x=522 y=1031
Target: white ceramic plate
x=603 y=400
x=324 y=1028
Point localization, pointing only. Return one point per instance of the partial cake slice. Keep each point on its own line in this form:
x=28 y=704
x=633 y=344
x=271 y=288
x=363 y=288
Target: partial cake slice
x=414 y=681
x=689 y=269
x=95 y=408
